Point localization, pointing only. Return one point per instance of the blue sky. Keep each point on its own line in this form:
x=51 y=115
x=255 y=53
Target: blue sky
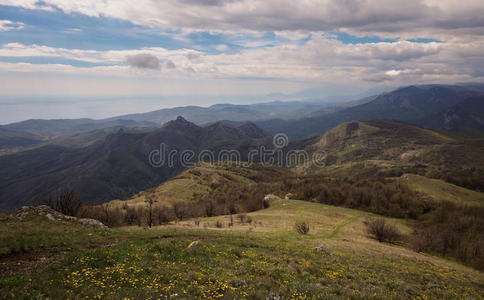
x=239 y=51
x=77 y=31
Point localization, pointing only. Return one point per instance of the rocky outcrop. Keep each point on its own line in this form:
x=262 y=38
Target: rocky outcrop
x=53 y=215
x=269 y=197
x=323 y=248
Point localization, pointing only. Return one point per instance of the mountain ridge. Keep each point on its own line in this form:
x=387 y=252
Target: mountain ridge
x=118 y=167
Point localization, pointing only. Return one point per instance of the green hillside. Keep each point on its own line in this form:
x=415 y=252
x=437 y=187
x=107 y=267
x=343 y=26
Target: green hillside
x=198 y=181
x=441 y=190
x=391 y=148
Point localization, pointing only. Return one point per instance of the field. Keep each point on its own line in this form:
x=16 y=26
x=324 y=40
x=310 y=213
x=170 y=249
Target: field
x=256 y=259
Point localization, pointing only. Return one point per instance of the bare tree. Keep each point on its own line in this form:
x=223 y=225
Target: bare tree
x=65 y=201
x=150 y=202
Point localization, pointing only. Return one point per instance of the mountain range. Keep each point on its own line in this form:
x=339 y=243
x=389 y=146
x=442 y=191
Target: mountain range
x=109 y=159
x=424 y=105
x=118 y=167
x=411 y=104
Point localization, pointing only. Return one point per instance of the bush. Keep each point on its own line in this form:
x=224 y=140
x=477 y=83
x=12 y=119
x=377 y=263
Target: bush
x=266 y=203
x=219 y=224
x=301 y=227
x=454 y=230
x=131 y=217
x=242 y=218
x=382 y=231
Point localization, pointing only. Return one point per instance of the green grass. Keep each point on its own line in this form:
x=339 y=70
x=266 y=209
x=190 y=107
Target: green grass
x=20 y=237
x=441 y=190
x=265 y=259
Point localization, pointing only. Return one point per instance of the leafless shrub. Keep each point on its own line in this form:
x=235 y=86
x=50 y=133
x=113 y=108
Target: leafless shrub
x=381 y=231
x=242 y=218
x=180 y=210
x=209 y=209
x=65 y=201
x=131 y=216
x=219 y=224
x=301 y=227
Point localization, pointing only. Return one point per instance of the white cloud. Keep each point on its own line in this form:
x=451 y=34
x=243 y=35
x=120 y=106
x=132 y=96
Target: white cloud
x=320 y=60
x=222 y=47
x=7 y=25
x=284 y=58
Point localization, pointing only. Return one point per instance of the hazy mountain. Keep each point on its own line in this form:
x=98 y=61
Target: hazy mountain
x=409 y=104
x=120 y=166
x=66 y=127
x=10 y=138
x=465 y=118
x=82 y=132
x=64 y=132
x=296 y=119
x=238 y=113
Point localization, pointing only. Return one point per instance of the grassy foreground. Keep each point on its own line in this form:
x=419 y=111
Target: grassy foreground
x=261 y=260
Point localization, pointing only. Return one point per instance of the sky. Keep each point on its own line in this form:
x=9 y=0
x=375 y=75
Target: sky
x=100 y=58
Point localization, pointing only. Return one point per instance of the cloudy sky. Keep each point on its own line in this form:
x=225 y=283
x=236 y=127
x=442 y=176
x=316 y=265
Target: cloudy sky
x=97 y=58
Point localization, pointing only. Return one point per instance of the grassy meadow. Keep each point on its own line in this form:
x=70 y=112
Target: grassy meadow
x=257 y=256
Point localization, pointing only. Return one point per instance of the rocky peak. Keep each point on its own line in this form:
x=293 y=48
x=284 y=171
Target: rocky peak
x=179 y=123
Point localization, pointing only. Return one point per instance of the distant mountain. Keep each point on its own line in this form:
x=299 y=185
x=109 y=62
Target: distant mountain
x=120 y=166
x=10 y=138
x=237 y=113
x=66 y=127
x=298 y=120
x=64 y=132
x=464 y=118
x=82 y=132
x=409 y=104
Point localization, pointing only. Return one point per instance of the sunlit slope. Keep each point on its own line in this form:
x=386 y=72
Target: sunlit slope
x=441 y=190
x=200 y=180
x=387 y=148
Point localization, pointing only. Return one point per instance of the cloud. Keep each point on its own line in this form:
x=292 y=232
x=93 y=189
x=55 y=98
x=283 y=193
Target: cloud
x=28 y=4
x=408 y=18
x=6 y=25
x=319 y=60
x=222 y=47
x=144 y=61
x=170 y=65
x=72 y=30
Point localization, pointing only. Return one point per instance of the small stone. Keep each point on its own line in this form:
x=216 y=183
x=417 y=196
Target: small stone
x=323 y=248
x=192 y=244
